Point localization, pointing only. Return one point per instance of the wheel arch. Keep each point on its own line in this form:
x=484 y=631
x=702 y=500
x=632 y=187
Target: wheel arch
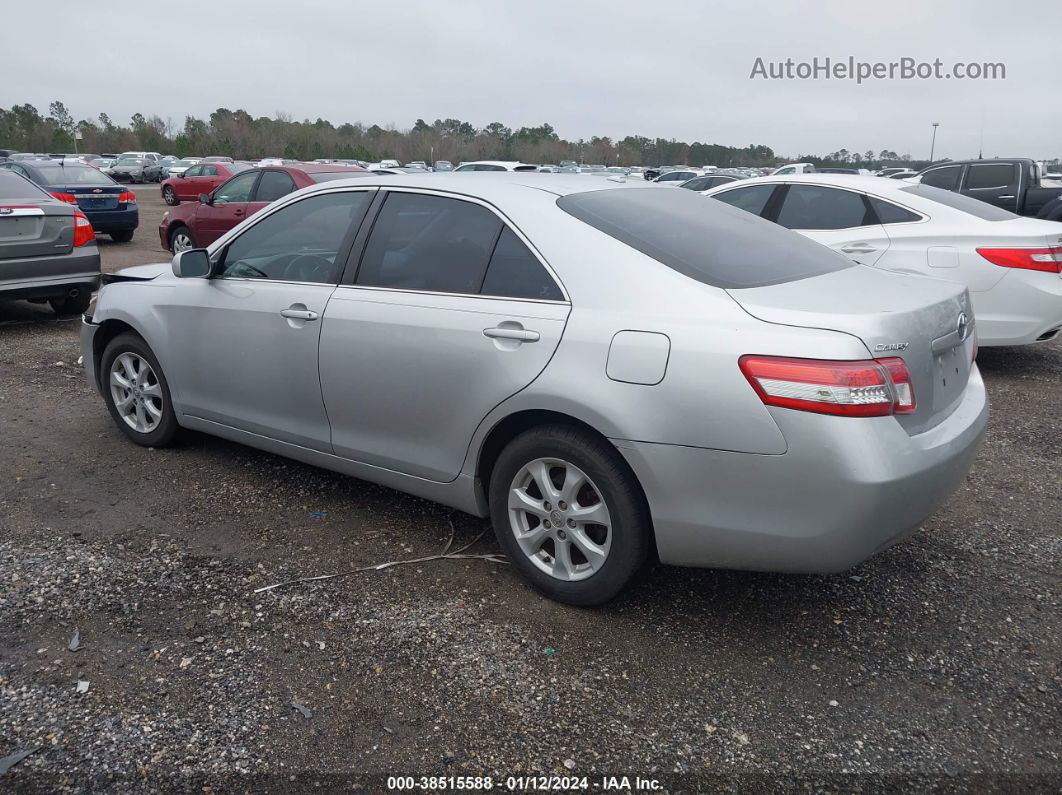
x=109 y=329
x=175 y=227
x=509 y=427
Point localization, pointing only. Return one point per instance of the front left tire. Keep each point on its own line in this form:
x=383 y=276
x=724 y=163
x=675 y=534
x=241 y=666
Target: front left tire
x=136 y=392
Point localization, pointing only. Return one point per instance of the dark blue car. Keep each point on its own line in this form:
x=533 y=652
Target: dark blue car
x=110 y=207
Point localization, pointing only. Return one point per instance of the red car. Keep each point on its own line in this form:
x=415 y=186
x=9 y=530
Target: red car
x=198 y=224
x=200 y=178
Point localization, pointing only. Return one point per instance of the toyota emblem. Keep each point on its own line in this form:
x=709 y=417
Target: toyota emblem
x=963 y=326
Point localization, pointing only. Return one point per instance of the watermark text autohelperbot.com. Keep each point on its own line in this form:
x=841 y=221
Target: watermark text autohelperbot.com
x=861 y=71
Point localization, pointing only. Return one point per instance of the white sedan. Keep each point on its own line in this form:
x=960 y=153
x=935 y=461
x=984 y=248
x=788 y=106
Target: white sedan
x=1011 y=265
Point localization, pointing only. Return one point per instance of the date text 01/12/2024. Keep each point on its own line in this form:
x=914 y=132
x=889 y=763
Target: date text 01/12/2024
x=523 y=783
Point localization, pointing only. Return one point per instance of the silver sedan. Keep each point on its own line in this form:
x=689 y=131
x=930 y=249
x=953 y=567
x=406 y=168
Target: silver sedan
x=611 y=372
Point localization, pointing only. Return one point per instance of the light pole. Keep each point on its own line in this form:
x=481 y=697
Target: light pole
x=933 y=145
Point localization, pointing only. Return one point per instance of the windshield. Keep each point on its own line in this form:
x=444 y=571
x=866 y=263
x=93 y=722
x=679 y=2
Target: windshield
x=75 y=175
x=183 y=164
x=708 y=241
x=131 y=161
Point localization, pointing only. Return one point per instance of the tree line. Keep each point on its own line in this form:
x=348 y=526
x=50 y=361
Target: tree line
x=238 y=134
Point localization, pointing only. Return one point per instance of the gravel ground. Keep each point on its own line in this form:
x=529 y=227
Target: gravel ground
x=934 y=666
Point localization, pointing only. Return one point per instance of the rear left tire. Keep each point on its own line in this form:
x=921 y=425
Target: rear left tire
x=570 y=514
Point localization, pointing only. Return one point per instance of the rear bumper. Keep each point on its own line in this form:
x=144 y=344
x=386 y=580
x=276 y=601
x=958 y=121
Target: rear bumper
x=49 y=277
x=1019 y=310
x=120 y=220
x=845 y=490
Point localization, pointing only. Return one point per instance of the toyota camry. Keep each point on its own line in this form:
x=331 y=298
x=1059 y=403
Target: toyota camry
x=612 y=373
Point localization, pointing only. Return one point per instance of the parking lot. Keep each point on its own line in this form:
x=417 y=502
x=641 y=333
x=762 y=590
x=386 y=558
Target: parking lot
x=935 y=664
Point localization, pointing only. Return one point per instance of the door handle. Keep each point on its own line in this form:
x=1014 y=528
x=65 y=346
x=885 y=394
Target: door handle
x=1008 y=196
x=237 y=212
x=299 y=314
x=858 y=249
x=503 y=333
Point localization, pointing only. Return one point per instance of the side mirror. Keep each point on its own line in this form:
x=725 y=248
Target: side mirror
x=204 y=198
x=192 y=263
x=180 y=175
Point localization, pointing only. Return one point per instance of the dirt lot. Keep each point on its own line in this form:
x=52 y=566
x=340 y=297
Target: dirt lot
x=933 y=666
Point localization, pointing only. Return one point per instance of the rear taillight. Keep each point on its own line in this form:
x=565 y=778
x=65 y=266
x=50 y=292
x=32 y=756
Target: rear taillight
x=83 y=234
x=1031 y=259
x=127 y=197
x=69 y=198
x=868 y=388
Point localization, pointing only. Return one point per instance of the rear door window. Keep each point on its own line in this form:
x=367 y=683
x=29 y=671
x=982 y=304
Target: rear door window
x=273 y=185
x=751 y=199
x=889 y=213
x=817 y=207
x=430 y=243
x=946 y=177
x=991 y=175
x=515 y=272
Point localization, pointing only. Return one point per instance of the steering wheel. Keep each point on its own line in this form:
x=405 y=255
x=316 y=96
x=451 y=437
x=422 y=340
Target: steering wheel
x=309 y=268
x=241 y=270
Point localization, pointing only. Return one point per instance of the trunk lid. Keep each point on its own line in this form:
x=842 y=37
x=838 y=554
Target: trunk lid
x=35 y=230
x=911 y=317
x=94 y=197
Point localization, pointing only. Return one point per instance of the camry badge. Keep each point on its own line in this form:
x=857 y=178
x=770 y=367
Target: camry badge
x=891 y=346
x=962 y=325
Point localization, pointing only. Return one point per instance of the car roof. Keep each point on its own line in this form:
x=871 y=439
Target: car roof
x=492 y=184
x=861 y=182
x=496 y=163
x=316 y=168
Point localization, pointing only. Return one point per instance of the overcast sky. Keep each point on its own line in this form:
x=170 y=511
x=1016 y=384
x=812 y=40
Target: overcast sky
x=669 y=68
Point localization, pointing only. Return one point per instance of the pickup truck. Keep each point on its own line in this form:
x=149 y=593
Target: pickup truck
x=1013 y=185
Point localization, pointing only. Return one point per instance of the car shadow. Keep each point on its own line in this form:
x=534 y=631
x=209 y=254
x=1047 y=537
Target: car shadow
x=1021 y=360
x=17 y=313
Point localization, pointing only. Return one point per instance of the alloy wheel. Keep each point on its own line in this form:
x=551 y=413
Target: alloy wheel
x=559 y=519
x=136 y=392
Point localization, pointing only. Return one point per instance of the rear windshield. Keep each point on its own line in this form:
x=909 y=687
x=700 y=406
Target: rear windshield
x=966 y=204
x=706 y=240
x=74 y=175
x=15 y=186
